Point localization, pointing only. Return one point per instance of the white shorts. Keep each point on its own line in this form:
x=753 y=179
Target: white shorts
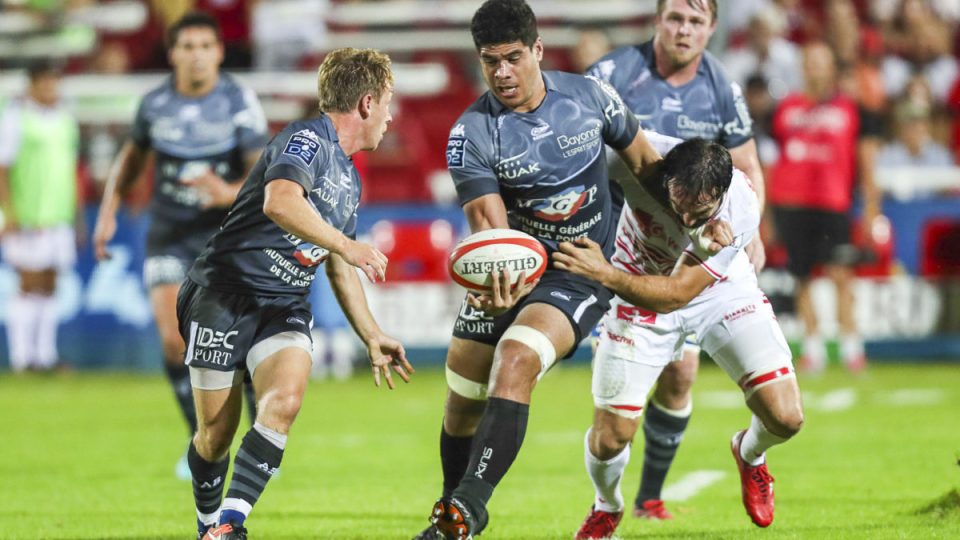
x=33 y=250
x=734 y=323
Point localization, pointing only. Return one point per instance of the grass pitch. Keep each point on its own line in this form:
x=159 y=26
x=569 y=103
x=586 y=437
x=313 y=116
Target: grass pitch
x=92 y=456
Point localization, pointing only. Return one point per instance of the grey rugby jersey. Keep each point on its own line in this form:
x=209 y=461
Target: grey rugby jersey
x=191 y=135
x=548 y=165
x=251 y=254
x=710 y=106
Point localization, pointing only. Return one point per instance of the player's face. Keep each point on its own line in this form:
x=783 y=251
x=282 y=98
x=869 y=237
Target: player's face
x=379 y=119
x=196 y=56
x=45 y=89
x=692 y=211
x=683 y=30
x=512 y=72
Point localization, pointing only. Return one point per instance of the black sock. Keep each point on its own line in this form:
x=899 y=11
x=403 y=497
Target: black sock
x=256 y=462
x=208 y=481
x=454 y=458
x=251 y=397
x=662 y=434
x=495 y=447
x=179 y=377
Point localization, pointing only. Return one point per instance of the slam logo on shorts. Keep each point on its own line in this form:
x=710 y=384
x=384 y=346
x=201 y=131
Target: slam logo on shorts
x=209 y=346
x=303 y=144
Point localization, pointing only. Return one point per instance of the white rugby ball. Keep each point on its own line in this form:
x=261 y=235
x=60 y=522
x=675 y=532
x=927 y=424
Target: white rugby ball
x=479 y=254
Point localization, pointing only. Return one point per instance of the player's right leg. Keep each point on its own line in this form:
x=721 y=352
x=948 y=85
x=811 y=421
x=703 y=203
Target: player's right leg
x=665 y=422
x=468 y=373
x=630 y=356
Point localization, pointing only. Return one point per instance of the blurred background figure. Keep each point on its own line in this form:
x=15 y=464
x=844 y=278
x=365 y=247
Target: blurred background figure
x=592 y=44
x=767 y=52
x=913 y=146
x=38 y=196
x=822 y=148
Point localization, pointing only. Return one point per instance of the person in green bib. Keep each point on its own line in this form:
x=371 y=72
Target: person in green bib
x=38 y=198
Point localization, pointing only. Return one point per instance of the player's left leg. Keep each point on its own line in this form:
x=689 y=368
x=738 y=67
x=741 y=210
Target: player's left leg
x=851 y=344
x=750 y=347
x=525 y=351
x=281 y=369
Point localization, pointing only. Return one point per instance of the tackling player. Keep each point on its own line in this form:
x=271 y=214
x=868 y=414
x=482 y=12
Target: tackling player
x=677 y=88
x=671 y=283
x=205 y=132
x=528 y=154
x=243 y=305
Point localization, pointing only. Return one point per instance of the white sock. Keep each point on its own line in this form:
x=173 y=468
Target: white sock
x=22 y=312
x=278 y=439
x=851 y=347
x=48 y=321
x=606 y=476
x=815 y=350
x=756 y=441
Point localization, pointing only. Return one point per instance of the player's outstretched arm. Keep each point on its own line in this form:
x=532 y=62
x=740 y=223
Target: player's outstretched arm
x=126 y=170
x=384 y=352
x=486 y=212
x=285 y=204
x=662 y=294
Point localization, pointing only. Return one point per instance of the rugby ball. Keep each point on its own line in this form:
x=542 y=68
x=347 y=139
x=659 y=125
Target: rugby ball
x=479 y=254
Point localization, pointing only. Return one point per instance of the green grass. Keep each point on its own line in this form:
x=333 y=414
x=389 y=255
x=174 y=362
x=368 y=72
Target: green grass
x=92 y=455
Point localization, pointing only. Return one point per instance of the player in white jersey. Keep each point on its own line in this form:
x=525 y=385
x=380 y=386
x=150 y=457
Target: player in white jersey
x=680 y=269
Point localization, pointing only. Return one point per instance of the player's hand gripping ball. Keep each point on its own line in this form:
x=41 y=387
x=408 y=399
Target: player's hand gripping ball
x=494 y=250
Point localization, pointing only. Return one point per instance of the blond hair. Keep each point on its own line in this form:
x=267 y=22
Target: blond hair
x=348 y=74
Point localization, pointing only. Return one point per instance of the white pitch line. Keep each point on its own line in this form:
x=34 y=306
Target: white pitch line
x=837 y=400
x=691 y=484
x=913 y=396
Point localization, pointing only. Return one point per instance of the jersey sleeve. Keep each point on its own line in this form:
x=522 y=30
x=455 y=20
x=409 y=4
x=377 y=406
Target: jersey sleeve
x=140 y=130
x=250 y=121
x=619 y=126
x=9 y=134
x=300 y=157
x=742 y=212
x=737 y=124
x=473 y=175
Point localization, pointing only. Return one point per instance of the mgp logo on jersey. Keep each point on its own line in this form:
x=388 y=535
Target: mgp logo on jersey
x=309 y=255
x=209 y=346
x=303 y=144
x=561 y=206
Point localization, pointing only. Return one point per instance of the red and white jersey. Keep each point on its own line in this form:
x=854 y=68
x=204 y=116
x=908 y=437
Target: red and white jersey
x=651 y=238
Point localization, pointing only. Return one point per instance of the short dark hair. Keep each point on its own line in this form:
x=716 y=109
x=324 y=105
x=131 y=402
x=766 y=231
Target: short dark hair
x=192 y=19
x=43 y=67
x=698 y=168
x=504 y=21
x=695 y=4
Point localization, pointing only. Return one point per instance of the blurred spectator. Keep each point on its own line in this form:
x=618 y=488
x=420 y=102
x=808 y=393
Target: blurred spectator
x=284 y=31
x=821 y=137
x=913 y=146
x=953 y=102
x=592 y=44
x=919 y=42
x=768 y=53
x=38 y=195
x=761 y=105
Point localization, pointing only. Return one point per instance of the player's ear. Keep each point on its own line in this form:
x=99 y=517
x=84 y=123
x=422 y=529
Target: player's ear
x=365 y=106
x=538 y=49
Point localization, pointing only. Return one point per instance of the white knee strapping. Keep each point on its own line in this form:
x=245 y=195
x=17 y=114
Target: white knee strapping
x=536 y=340
x=465 y=387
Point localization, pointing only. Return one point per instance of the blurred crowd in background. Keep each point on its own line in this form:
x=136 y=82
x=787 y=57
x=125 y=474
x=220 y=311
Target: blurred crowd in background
x=898 y=59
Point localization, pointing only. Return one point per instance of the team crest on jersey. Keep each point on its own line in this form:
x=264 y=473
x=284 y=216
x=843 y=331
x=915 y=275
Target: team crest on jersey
x=562 y=205
x=309 y=255
x=303 y=144
x=456 y=146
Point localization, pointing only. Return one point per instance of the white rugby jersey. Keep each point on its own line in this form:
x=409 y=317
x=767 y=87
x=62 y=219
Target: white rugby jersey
x=651 y=238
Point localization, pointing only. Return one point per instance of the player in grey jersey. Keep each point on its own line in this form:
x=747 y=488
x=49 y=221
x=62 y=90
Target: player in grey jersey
x=677 y=88
x=205 y=132
x=528 y=154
